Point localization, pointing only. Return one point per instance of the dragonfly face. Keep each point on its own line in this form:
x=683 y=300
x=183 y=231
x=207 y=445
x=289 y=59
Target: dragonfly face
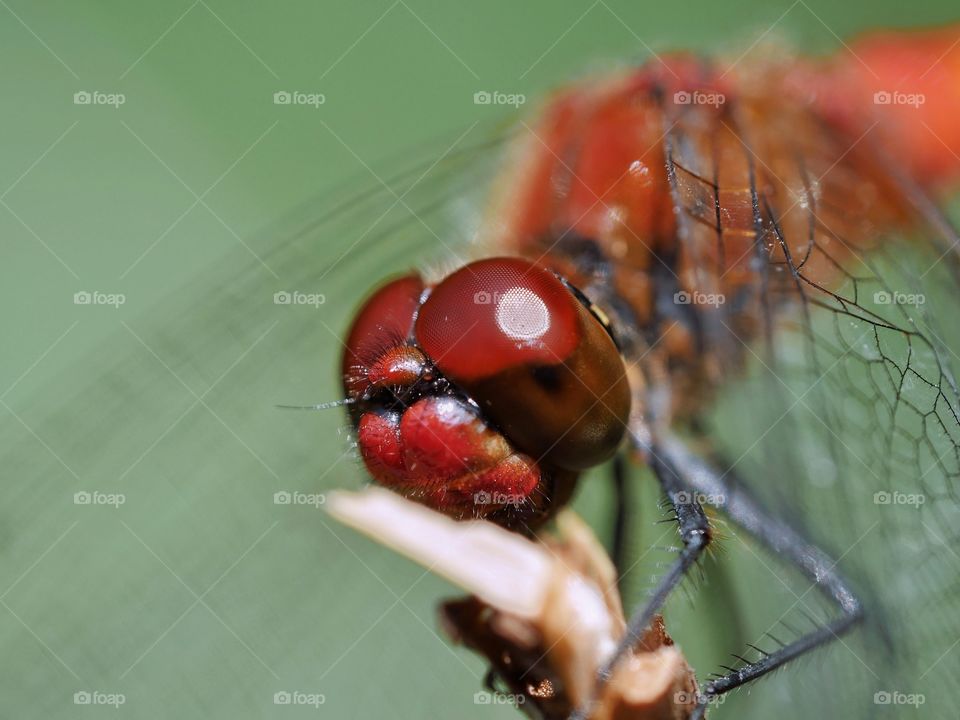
x=486 y=394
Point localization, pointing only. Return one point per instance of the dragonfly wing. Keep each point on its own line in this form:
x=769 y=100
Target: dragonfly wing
x=846 y=420
x=176 y=412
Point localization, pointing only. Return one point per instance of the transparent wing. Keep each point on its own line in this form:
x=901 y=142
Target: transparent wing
x=177 y=413
x=846 y=419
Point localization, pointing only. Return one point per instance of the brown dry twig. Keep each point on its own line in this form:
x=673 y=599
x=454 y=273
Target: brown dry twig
x=545 y=614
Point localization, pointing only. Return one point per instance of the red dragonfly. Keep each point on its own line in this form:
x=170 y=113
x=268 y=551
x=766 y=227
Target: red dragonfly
x=657 y=237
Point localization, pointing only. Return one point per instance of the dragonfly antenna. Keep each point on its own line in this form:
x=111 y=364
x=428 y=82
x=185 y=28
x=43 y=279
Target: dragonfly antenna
x=318 y=406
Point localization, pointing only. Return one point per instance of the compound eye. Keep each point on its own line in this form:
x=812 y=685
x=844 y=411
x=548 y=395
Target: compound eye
x=539 y=364
x=376 y=350
x=496 y=314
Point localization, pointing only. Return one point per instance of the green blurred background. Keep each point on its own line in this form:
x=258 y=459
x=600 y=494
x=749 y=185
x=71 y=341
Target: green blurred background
x=199 y=596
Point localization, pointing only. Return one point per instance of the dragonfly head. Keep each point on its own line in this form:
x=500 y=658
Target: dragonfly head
x=485 y=394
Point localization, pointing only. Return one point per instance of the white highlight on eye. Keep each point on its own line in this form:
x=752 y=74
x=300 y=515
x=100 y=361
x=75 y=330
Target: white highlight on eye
x=522 y=314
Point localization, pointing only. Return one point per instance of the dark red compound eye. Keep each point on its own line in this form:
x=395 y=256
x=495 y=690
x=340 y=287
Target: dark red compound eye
x=538 y=363
x=375 y=349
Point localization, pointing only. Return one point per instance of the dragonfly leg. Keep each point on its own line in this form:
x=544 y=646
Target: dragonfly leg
x=622 y=510
x=694 y=531
x=781 y=539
